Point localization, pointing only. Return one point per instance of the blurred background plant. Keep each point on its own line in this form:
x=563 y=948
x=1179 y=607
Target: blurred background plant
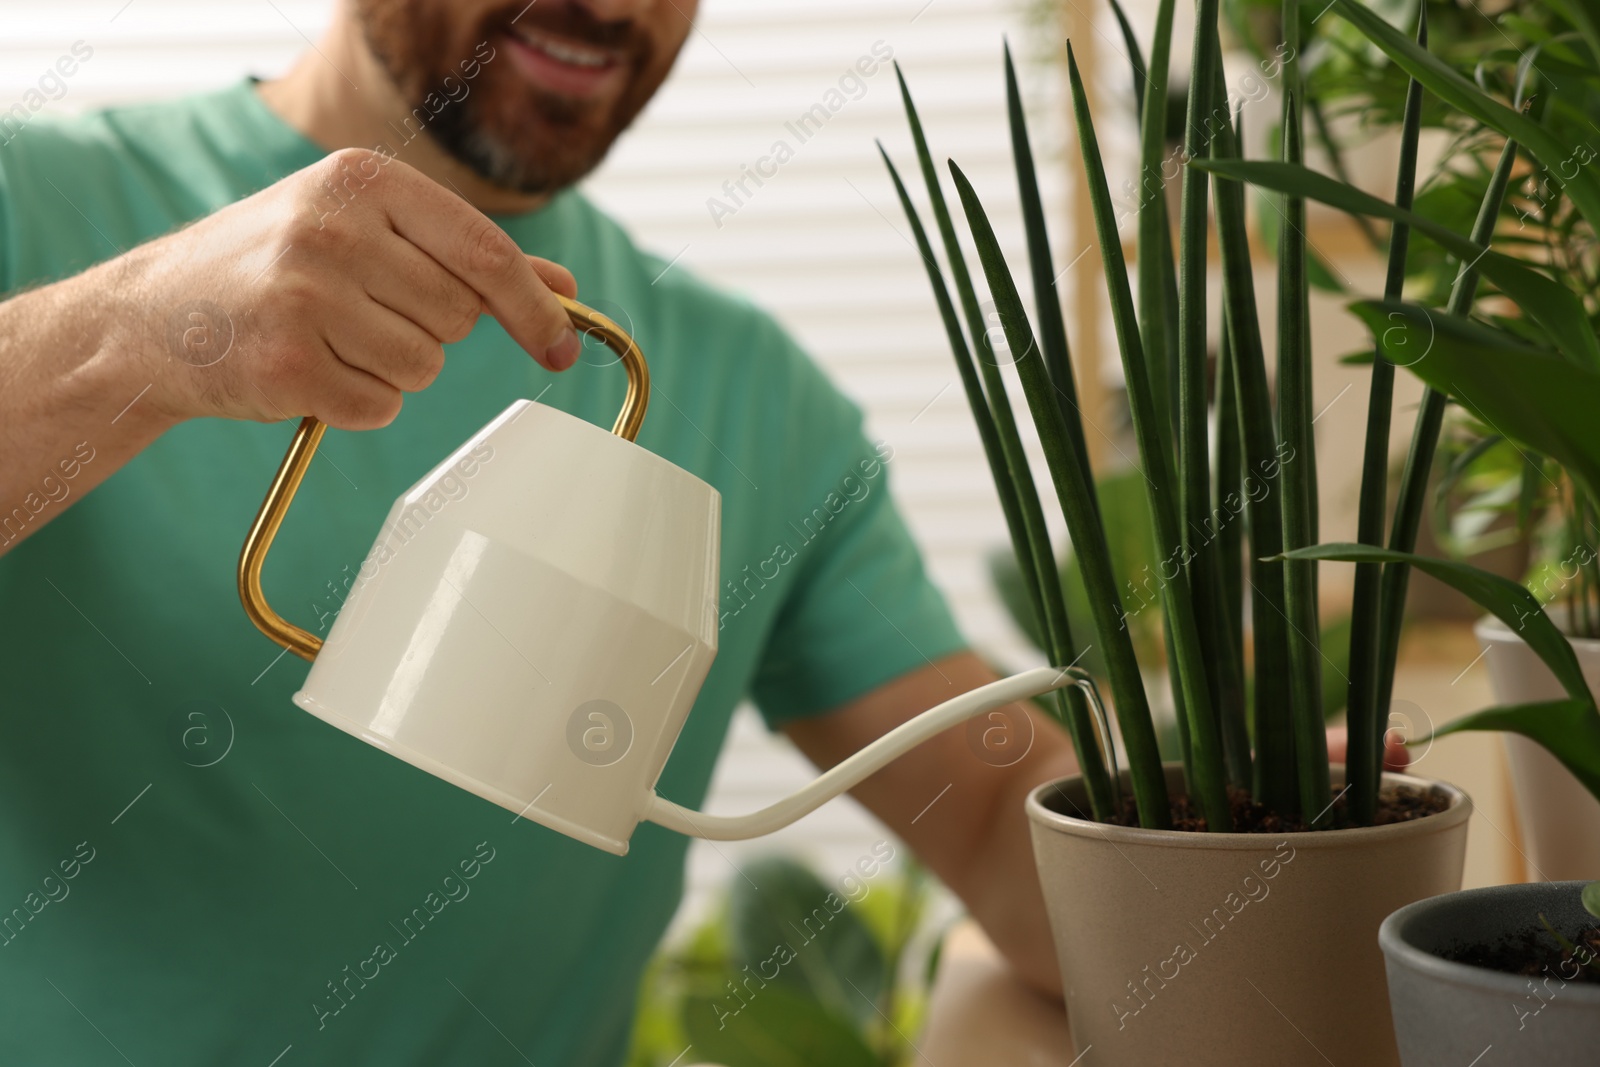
x=789 y=971
x=1491 y=492
x=1355 y=95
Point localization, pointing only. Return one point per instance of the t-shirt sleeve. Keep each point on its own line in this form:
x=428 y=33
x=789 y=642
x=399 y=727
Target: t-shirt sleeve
x=862 y=610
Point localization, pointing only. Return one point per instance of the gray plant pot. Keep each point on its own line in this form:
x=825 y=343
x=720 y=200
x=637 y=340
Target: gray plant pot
x=1450 y=1014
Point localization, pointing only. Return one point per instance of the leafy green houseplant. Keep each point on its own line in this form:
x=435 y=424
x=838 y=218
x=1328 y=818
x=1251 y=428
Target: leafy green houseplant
x=1534 y=376
x=1253 y=756
x=1530 y=374
x=790 y=970
x=1496 y=491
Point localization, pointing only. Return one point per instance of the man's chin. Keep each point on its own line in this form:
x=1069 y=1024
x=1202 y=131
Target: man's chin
x=560 y=157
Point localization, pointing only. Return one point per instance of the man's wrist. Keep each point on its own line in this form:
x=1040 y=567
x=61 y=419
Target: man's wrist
x=86 y=359
x=128 y=367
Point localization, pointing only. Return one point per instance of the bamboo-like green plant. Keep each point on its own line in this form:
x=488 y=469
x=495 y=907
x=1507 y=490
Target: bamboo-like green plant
x=1270 y=745
x=1535 y=376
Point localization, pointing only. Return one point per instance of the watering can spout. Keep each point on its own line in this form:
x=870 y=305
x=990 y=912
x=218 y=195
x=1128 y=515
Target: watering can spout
x=885 y=750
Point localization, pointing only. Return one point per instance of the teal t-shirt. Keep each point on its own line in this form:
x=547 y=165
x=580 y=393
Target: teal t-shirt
x=192 y=870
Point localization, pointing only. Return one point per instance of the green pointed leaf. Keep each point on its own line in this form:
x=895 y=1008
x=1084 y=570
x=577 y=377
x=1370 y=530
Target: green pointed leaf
x=1207 y=775
x=983 y=417
x=1013 y=476
x=1365 y=704
x=1076 y=496
x=1158 y=274
x=1549 y=303
x=1591 y=899
x=1042 y=272
x=1271 y=721
x=1570 y=729
x=1508 y=601
x=1545 y=402
x=1135 y=56
x=1412 y=493
x=1299 y=487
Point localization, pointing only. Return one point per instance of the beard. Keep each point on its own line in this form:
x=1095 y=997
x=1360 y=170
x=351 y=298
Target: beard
x=510 y=132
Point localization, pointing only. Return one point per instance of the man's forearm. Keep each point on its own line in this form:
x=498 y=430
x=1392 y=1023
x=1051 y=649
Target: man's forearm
x=1002 y=889
x=962 y=814
x=70 y=398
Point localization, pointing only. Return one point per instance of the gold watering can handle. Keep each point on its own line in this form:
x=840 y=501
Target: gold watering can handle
x=304 y=445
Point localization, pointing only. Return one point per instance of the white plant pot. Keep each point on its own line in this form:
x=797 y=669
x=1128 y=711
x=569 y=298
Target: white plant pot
x=1559 y=818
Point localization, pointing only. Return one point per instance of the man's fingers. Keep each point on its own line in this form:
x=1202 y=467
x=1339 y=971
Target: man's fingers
x=1396 y=757
x=1338 y=743
x=388 y=346
x=555 y=276
x=340 y=394
x=472 y=247
x=408 y=281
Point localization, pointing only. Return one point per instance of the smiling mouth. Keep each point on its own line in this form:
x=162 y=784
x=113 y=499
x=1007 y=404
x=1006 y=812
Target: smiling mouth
x=565 y=51
x=563 y=65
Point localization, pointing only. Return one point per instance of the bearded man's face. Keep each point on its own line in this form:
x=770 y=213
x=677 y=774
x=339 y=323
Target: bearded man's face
x=529 y=95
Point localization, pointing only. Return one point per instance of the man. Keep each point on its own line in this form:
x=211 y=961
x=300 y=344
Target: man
x=202 y=873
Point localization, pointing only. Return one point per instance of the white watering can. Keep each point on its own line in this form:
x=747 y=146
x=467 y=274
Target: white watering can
x=535 y=620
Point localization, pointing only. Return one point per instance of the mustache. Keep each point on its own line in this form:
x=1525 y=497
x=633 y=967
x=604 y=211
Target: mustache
x=574 y=21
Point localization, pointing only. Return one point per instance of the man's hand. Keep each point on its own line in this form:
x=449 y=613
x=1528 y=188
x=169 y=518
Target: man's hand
x=341 y=284
x=958 y=798
x=330 y=293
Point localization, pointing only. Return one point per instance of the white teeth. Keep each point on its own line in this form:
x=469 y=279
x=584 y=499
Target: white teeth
x=566 y=53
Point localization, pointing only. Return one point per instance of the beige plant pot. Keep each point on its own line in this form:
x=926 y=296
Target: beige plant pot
x=1559 y=818
x=1229 y=949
